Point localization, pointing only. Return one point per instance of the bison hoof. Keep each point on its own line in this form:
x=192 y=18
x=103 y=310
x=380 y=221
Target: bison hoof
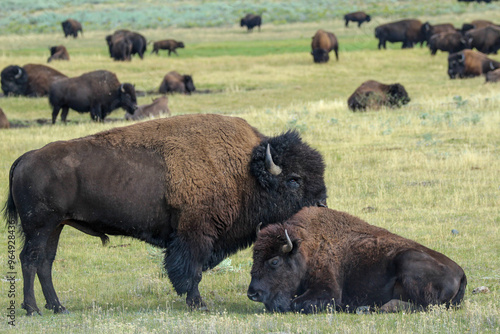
x=196 y=304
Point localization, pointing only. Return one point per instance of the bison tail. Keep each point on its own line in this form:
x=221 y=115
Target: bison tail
x=461 y=292
x=9 y=210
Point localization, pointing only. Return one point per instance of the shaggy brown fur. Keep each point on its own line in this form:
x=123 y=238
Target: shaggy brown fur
x=448 y=42
x=173 y=82
x=322 y=43
x=168 y=44
x=359 y=17
x=493 y=76
x=407 y=31
x=58 y=53
x=4 y=123
x=71 y=28
x=158 y=108
x=428 y=30
x=374 y=95
x=469 y=63
x=485 y=40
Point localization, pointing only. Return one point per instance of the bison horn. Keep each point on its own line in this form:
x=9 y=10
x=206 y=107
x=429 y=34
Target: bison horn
x=462 y=58
x=492 y=66
x=121 y=88
x=19 y=73
x=258 y=227
x=289 y=246
x=270 y=165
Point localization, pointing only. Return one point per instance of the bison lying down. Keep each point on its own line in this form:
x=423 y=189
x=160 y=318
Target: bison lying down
x=323 y=257
x=196 y=185
x=173 y=82
x=469 y=63
x=373 y=94
x=30 y=80
x=58 y=53
x=158 y=108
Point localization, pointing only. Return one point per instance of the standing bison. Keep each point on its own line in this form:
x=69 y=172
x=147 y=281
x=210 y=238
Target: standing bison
x=58 y=53
x=158 y=108
x=97 y=92
x=323 y=257
x=71 y=28
x=429 y=30
x=322 y=43
x=168 y=44
x=31 y=80
x=373 y=95
x=196 y=185
x=448 y=42
x=123 y=44
x=485 y=40
x=359 y=17
x=173 y=82
x=468 y=63
x=251 y=21
x=407 y=31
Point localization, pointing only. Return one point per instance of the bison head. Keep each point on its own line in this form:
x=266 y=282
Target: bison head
x=14 y=80
x=278 y=268
x=180 y=45
x=188 y=83
x=128 y=100
x=456 y=65
x=320 y=55
x=398 y=95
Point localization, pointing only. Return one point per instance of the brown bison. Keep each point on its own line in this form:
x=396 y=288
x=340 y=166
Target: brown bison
x=485 y=40
x=196 y=185
x=158 y=108
x=168 y=44
x=476 y=24
x=407 y=31
x=58 y=53
x=322 y=43
x=448 y=42
x=123 y=44
x=4 y=122
x=469 y=63
x=373 y=95
x=251 y=21
x=173 y=82
x=97 y=92
x=359 y=17
x=71 y=28
x=31 y=80
x=322 y=257
x=493 y=76
x=429 y=30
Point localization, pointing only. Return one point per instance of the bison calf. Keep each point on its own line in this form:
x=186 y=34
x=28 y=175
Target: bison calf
x=468 y=63
x=359 y=17
x=158 y=108
x=168 y=44
x=251 y=21
x=173 y=82
x=4 y=122
x=58 y=53
x=30 y=80
x=373 y=95
x=322 y=43
x=322 y=257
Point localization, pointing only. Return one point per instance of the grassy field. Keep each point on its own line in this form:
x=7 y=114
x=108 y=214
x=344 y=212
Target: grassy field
x=419 y=171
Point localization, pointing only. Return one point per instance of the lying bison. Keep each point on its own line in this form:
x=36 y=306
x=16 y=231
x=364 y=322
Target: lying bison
x=58 y=53
x=322 y=257
x=485 y=40
x=493 y=76
x=251 y=21
x=359 y=17
x=158 y=108
x=468 y=63
x=407 y=31
x=31 y=80
x=196 y=185
x=448 y=42
x=97 y=92
x=123 y=44
x=168 y=44
x=322 y=43
x=71 y=28
x=173 y=82
x=373 y=95
x=4 y=122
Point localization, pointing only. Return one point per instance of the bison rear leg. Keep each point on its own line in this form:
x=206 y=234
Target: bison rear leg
x=396 y=305
x=55 y=112
x=64 y=114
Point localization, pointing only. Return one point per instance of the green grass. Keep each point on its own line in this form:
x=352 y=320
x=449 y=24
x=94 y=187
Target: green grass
x=419 y=171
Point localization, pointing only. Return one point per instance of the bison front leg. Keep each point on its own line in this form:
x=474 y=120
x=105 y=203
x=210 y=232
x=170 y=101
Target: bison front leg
x=64 y=114
x=55 y=112
x=313 y=301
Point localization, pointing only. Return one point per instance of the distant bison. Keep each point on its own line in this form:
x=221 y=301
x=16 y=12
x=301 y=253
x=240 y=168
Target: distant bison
x=407 y=31
x=468 y=63
x=97 y=92
x=173 y=82
x=71 y=28
x=322 y=257
x=373 y=95
x=58 y=53
x=493 y=76
x=31 y=80
x=359 y=17
x=123 y=44
x=448 y=42
x=476 y=24
x=4 y=122
x=158 y=108
x=168 y=44
x=322 y=43
x=429 y=30
x=194 y=185
x=251 y=21
x=485 y=40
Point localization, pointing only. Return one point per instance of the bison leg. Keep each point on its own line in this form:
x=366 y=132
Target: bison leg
x=55 y=112
x=396 y=305
x=64 y=114
x=346 y=23
x=317 y=299
x=95 y=112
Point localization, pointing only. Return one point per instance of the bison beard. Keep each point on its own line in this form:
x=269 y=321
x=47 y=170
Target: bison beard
x=195 y=185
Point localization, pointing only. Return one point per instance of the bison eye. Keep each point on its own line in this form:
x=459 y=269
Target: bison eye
x=293 y=182
x=275 y=262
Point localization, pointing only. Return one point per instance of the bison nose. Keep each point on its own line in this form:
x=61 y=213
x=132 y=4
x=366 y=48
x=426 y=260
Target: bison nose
x=253 y=294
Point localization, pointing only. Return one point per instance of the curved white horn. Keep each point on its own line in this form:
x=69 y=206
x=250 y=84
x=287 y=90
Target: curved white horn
x=270 y=165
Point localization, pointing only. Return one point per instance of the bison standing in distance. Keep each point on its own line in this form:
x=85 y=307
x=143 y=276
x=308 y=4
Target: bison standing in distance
x=429 y=30
x=123 y=44
x=58 y=53
x=196 y=185
x=97 y=92
x=322 y=43
x=374 y=95
x=173 y=82
x=485 y=40
x=322 y=257
x=158 y=108
x=31 y=80
x=359 y=17
x=407 y=31
x=71 y=28
x=251 y=21
x=168 y=44
x=4 y=122
x=469 y=63
x=448 y=42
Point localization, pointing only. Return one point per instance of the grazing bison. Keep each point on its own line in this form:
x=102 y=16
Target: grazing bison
x=31 y=80
x=124 y=43
x=322 y=43
x=71 y=28
x=4 y=122
x=173 y=82
x=359 y=17
x=58 y=53
x=196 y=185
x=97 y=92
x=485 y=40
x=373 y=95
x=429 y=30
x=158 y=108
x=251 y=21
x=407 y=31
x=477 y=24
x=168 y=44
x=468 y=63
x=448 y=42
x=493 y=76
x=323 y=257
